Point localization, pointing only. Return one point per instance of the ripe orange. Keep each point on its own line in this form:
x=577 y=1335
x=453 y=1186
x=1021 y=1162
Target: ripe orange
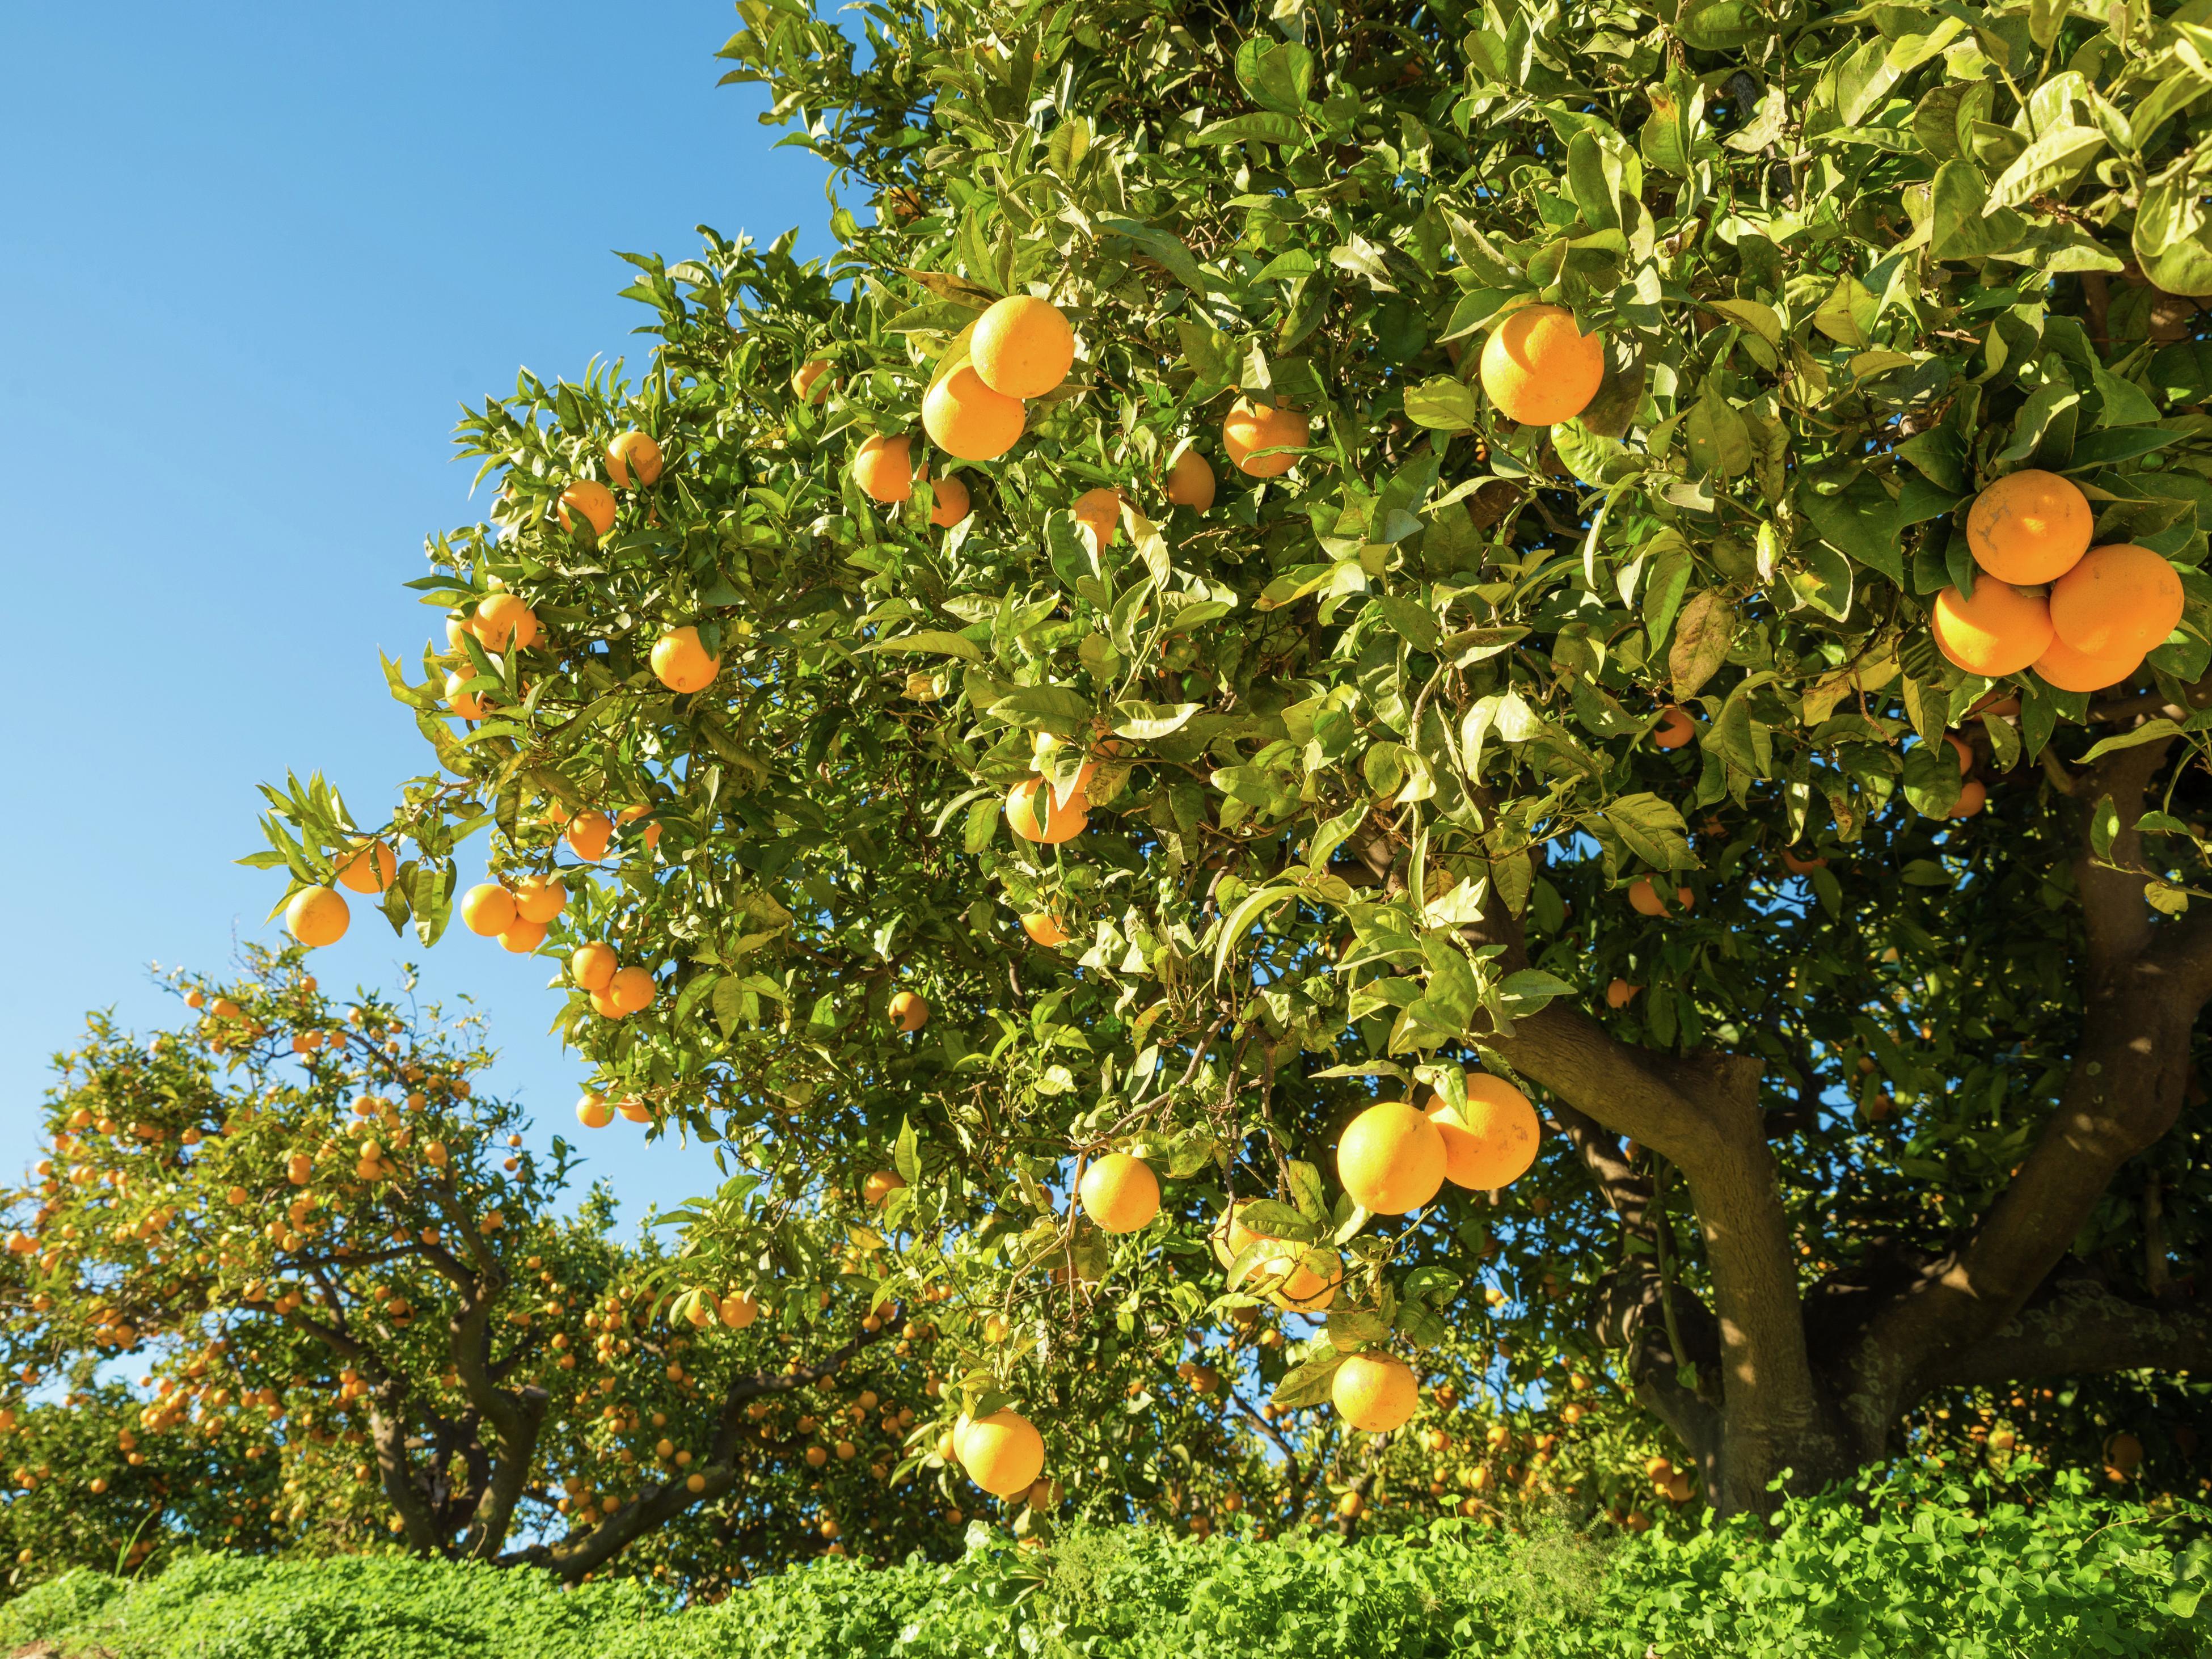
x=522 y=937
x=370 y=869
x=593 y=1112
x=908 y=1011
x=1190 y=481
x=682 y=663
x=487 y=908
x=318 y=915
x=1230 y=1237
x=878 y=1187
x=2070 y=670
x=1491 y=1142
x=592 y=501
x=1390 y=1158
x=739 y=1310
x=1374 y=1392
x=1621 y=993
x=1035 y=816
x=589 y=831
x=1099 y=511
x=631 y=990
x=952 y=503
x=1645 y=899
x=634 y=1110
x=2029 y=527
x=1974 y=795
x=503 y=622
x=1248 y=427
x=1997 y=632
x=1003 y=1453
x=2124 y=1452
x=809 y=384
x=591 y=966
x=538 y=898
x=2119 y=599
x=1044 y=928
x=1120 y=1193
x=883 y=468
x=634 y=451
x=1539 y=368
x=1673 y=730
x=467 y=704
x=1300 y=1287
x=966 y=419
x=1023 y=347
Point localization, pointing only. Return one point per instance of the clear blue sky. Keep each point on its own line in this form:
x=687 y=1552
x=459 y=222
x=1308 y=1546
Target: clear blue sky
x=254 y=258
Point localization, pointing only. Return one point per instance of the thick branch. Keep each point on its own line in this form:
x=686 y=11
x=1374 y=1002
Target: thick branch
x=2081 y=1327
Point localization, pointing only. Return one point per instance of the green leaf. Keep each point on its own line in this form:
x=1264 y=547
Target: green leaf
x=1307 y=1383
x=1701 y=635
x=1652 y=828
x=933 y=641
x=1145 y=722
x=2148 y=732
x=1442 y=403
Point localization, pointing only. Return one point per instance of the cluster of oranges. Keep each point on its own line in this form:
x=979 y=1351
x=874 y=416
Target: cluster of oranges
x=500 y=623
x=616 y=991
x=515 y=912
x=2083 y=618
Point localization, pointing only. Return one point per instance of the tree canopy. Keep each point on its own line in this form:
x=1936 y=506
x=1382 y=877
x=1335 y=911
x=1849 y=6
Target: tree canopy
x=1395 y=743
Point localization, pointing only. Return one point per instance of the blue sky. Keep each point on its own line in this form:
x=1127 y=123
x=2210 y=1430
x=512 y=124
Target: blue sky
x=254 y=259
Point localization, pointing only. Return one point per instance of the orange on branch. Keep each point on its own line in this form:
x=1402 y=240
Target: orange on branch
x=593 y=1112
x=1044 y=928
x=633 y=452
x=589 y=832
x=1120 y=1193
x=593 y=502
x=1248 y=428
x=2000 y=630
x=635 y=1110
x=521 y=936
x=1099 y=511
x=1390 y=1158
x=504 y=622
x=538 y=898
x=1191 y=482
x=370 y=868
x=884 y=467
x=1674 y=730
x=1974 y=795
x=317 y=916
x=1003 y=1453
x=1538 y=367
x=1644 y=898
x=592 y=966
x=682 y=663
x=1035 y=815
x=2067 y=670
x=950 y=502
x=1491 y=1141
x=878 y=1185
x=1023 y=346
x=1374 y=1392
x=631 y=990
x=1620 y=993
x=488 y=909
x=908 y=1011
x=810 y=384
x=965 y=418
x=2120 y=599
x=2029 y=527
x=469 y=705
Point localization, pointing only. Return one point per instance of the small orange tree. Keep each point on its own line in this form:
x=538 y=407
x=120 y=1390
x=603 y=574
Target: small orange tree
x=342 y=1267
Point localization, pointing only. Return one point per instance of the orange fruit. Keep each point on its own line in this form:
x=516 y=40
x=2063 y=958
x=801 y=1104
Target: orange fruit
x=1230 y=1237
x=634 y=1110
x=1621 y=993
x=2062 y=666
x=1643 y=898
x=1190 y=481
x=1298 y=1287
x=538 y=898
x=467 y=704
x=317 y=916
x=487 y=908
x=1120 y=1193
x=1023 y=347
x=2124 y=1452
x=592 y=966
x=1974 y=795
x=369 y=869
x=1491 y=1141
x=1374 y=1392
x=1390 y=1158
x=1099 y=511
x=1961 y=751
x=593 y=1112
x=1044 y=928
x=1247 y=428
x=1003 y=1453
x=590 y=501
x=809 y=384
x=884 y=467
x=633 y=452
x=631 y=990
x=503 y=621
x=1035 y=816
x=738 y=1311
x=589 y=831
x=966 y=419
x=1539 y=368
x=880 y=1186
x=2119 y=599
x=682 y=663
x=1801 y=867
x=2029 y=527
x=522 y=937
x=950 y=498
x=1997 y=632
x=908 y=1011
x=1673 y=730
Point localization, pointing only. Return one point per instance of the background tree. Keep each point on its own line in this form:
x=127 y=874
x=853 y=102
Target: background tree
x=1374 y=742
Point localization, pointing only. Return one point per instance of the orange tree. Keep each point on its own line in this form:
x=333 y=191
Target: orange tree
x=1644 y=558
x=342 y=1270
